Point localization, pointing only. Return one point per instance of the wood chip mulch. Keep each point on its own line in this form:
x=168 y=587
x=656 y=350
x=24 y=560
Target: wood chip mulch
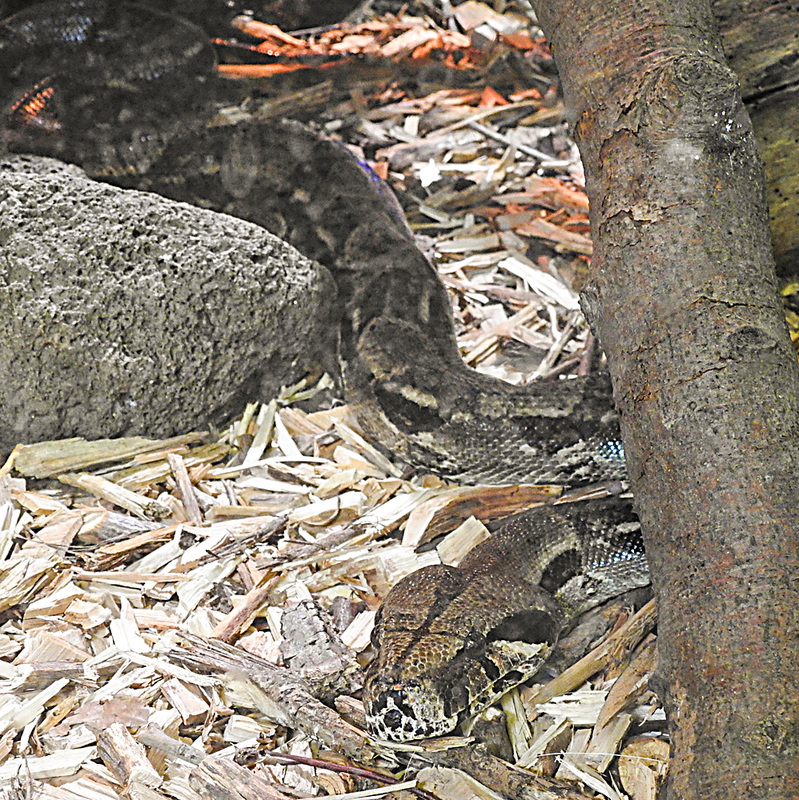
x=190 y=618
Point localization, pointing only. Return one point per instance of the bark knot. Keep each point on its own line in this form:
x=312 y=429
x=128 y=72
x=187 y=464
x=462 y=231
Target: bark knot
x=749 y=342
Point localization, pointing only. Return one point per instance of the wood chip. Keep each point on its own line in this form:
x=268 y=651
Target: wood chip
x=642 y=766
x=46 y=459
x=124 y=498
x=125 y=757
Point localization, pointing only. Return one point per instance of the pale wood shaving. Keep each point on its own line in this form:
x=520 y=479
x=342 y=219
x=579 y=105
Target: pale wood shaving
x=124 y=498
x=589 y=777
x=632 y=686
x=643 y=764
x=550 y=740
x=125 y=757
x=626 y=636
x=56 y=765
x=454 y=546
x=46 y=459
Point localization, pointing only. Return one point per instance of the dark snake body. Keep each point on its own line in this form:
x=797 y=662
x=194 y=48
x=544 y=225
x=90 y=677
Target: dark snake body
x=440 y=632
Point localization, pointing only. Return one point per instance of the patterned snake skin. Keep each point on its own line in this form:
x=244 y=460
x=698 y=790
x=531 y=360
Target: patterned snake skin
x=448 y=640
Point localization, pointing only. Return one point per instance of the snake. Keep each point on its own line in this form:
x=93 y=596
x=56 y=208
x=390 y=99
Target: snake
x=448 y=640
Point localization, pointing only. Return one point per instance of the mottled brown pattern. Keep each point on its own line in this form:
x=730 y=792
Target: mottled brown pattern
x=450 y=640
x=441 y=630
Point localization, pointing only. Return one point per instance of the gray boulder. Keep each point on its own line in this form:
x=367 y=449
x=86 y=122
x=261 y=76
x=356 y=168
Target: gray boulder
x=124 y=313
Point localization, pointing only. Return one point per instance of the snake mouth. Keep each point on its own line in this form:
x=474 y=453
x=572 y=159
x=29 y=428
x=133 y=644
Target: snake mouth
x=401 y=713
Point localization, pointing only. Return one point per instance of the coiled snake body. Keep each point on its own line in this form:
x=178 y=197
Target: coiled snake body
x=449 y=641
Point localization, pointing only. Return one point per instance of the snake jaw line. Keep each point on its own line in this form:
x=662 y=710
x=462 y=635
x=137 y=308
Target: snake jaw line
x=406 y=711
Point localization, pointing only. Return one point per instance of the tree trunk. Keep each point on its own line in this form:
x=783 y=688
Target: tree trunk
x=683 y=297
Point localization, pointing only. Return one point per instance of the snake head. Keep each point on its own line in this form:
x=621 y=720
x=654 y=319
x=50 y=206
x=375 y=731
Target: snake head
x=446 y=650
x=417 y=699
x=408 y=709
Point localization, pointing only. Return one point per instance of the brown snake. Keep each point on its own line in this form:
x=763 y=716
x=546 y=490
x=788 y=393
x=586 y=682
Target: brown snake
x=449 y=641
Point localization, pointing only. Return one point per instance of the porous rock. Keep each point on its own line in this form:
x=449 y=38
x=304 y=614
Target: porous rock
x=125 y=313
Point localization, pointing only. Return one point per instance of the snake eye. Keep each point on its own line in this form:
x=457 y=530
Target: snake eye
x=473 y=641
x=392 y=719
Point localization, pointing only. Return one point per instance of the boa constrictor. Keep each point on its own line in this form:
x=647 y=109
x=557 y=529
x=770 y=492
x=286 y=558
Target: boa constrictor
x=448 y=640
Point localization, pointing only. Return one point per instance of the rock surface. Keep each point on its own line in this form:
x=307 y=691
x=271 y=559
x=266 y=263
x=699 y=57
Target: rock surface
x=126 y=313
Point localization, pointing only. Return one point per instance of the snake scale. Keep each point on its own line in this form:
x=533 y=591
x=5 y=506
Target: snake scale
x=448 y=640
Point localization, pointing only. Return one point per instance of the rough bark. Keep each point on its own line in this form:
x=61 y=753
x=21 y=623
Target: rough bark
x=684 y=300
